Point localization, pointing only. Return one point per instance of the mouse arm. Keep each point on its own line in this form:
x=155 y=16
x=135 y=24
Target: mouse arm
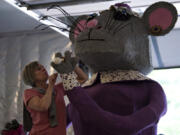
x=91 y=113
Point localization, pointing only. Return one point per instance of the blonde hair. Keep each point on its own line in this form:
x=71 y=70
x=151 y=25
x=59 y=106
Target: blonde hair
x=28 y=73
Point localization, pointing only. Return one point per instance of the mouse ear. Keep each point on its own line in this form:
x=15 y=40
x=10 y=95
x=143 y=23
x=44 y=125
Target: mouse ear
x=82 y=23
x=77 y=27
x=160 y=18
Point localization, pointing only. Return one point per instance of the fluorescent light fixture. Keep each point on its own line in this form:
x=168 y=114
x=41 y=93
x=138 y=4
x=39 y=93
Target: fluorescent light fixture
x=36 y=17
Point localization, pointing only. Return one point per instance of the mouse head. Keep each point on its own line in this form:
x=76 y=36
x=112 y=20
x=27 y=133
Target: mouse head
x=117 y=38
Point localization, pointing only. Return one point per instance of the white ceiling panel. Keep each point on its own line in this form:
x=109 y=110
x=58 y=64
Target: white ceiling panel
x=13 y=20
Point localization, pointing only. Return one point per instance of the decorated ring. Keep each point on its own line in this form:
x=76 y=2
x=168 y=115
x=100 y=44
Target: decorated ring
x=156 y=30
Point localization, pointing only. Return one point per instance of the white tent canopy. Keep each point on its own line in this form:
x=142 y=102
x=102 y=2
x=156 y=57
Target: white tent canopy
x=20 y=43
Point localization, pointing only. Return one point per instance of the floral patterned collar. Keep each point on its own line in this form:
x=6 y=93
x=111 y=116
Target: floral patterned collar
x=116 y=76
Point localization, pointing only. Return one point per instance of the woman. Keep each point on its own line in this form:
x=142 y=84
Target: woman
x=45 y=101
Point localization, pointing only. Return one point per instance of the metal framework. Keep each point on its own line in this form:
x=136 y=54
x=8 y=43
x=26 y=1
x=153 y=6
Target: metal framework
x=31 y=6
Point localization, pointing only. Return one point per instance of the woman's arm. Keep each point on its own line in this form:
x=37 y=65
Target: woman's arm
x=82 y=77
x=42 y=104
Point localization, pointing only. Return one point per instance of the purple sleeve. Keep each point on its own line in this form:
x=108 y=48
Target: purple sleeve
x=146 y=117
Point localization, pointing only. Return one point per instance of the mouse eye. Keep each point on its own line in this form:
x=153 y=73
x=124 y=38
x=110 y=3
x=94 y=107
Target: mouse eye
x=124 y=11
x=121 y=11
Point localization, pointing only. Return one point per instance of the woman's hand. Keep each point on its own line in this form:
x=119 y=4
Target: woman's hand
x=52 y=79
x=81 y=76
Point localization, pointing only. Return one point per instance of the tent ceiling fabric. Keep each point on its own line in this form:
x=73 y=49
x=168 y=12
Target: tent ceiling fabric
x=13 y=20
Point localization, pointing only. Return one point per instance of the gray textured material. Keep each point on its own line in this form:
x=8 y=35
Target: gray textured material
x=115 y=44
x=67 y=65
x=123 y=45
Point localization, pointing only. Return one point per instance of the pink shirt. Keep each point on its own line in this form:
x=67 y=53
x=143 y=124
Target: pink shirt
x=40 y=120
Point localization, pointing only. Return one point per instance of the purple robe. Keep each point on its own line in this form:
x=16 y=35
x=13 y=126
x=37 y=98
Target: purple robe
x=118 y=108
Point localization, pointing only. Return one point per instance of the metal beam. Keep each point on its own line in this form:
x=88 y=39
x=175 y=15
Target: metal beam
x=170 y=67
x=32 y=6
x=157 y=51
x=62 y=3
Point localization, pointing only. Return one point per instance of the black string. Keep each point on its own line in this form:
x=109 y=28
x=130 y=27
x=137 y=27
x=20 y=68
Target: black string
x=122 y=26
x=109 y=18
x=70 y=18
x=46 y=16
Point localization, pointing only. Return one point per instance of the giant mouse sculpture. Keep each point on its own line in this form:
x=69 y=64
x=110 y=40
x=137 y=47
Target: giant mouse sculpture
x=119 y=99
